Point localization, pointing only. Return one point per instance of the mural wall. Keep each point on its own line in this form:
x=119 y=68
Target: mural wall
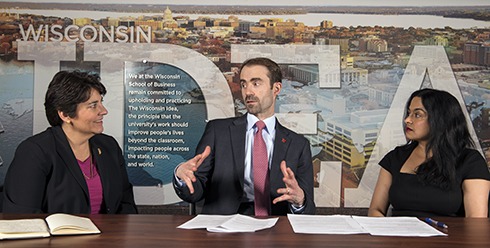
x=168 y=71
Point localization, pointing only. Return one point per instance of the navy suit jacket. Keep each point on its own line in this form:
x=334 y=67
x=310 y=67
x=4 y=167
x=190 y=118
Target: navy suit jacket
x=44 y=177
x=220 y=177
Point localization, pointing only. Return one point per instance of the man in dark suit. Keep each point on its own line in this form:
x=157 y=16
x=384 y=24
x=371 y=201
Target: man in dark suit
x=223 y=172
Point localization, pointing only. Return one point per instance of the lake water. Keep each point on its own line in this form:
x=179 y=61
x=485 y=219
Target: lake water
x=310 y=19
x=16 y=84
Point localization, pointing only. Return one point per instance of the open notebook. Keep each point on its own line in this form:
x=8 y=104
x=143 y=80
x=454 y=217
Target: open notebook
x=55 y=224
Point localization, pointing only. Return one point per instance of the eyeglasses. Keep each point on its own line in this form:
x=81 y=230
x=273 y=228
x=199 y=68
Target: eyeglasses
x=416 y=115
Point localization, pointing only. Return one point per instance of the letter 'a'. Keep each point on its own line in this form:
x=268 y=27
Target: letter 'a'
x=425 y=61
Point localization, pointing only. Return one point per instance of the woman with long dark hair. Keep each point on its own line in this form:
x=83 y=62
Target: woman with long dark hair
x=438 y=172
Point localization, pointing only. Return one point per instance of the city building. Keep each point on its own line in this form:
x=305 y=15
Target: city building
x=155 y=25
x=168 y=20
x=114 y=22
x=244 y=26
x=277 y=28
x=326 y=24
x=351 y=137
x=82 y=21
x=437 y=41
x=372 y=43
x=382 y=94
x=127 y=23
x=354 y=76
x=320 y=41
x=342 y=42
x=346 y=62
x=476 y=53
x=220 y=31
x=309 y=73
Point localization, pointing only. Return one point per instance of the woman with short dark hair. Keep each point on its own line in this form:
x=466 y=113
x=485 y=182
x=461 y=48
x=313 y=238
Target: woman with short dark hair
x=71 y=167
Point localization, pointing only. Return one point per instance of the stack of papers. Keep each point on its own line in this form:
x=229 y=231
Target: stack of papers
x=318 y=224
x=324 y=224
x=228 y=223
x=346 y=224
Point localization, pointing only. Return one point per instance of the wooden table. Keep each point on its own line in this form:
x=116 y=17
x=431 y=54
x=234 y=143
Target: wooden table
x=160 y=231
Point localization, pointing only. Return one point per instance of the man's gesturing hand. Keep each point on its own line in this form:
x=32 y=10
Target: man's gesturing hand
x=186 y=170
x=292 y=193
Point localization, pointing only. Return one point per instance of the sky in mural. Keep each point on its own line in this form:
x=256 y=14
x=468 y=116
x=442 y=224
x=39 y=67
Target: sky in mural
x=283 y=2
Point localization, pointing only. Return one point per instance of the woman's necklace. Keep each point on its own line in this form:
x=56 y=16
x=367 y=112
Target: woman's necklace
x=92 y=172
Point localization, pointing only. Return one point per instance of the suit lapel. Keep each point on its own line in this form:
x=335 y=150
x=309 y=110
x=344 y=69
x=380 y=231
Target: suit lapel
x=66 y=154
x=281 y=144
x=237 y=135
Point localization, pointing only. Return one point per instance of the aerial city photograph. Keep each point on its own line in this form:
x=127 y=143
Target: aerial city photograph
x=170 y=66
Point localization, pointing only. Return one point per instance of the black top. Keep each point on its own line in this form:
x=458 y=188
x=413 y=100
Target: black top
x=409 y=197
x=44 y=177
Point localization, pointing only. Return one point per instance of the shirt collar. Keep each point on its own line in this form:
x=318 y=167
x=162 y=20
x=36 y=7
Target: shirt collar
x=270 y=122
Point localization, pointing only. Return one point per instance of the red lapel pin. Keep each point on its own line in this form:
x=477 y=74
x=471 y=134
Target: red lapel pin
x=283 y=140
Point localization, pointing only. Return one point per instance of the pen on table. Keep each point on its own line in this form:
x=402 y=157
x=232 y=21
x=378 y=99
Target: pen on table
x=435 y=222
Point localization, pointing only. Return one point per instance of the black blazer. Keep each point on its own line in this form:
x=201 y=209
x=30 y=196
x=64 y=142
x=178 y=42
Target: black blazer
x=220 y=177
x=44 y=177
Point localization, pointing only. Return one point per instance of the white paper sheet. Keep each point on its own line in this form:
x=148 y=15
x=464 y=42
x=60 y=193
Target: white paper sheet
x=397 y=226
x=346 y=224
x=228 y=223
x=324 y=224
